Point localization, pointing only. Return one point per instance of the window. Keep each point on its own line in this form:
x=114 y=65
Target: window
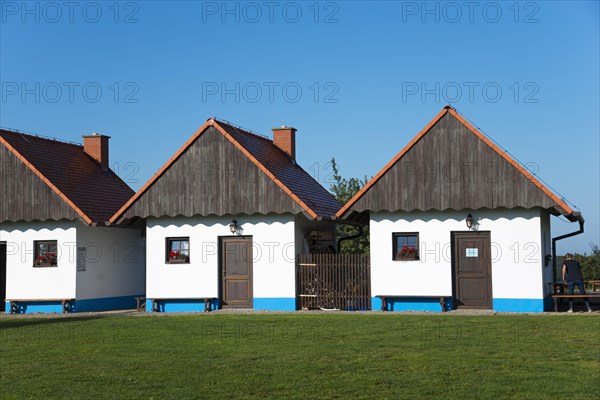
x=178 y=250
x=406 y=246
x=45 y=253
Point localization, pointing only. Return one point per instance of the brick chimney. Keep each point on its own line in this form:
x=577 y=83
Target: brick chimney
x=285 y=139
x=96 y=146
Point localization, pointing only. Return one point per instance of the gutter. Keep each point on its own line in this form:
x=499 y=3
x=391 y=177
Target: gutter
x=579 y=218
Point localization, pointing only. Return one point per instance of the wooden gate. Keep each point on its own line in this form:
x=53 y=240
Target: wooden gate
x=333 y=281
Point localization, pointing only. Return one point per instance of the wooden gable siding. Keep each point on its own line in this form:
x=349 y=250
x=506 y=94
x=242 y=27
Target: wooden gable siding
x=24 y=196
x=212 y=177
x=451 y=168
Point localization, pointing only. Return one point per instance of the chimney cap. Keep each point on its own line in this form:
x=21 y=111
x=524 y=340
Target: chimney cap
x=285 y=128
x=94 y=135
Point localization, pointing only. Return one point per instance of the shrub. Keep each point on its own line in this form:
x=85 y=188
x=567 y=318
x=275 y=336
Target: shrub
x=590 y=264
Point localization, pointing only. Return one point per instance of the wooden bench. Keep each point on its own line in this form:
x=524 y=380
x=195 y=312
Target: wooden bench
x=140 y=304
x=593 y=283
x=557 y=296
x=561 y=287
x=385 y=299
x=207 y=302
x=14 y=304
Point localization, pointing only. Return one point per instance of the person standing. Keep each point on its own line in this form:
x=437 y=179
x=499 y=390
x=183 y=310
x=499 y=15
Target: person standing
x=572 y=270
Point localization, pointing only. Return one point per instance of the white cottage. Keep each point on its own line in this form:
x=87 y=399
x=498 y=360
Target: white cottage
x=56 y=252
x=225 y=218
x=454 y=217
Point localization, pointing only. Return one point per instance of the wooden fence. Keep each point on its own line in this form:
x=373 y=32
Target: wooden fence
x=333 y=281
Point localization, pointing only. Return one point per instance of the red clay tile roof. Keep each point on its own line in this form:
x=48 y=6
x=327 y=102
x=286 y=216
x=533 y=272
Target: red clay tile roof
x=94 y=192
x=273 y=161
x=291 y=175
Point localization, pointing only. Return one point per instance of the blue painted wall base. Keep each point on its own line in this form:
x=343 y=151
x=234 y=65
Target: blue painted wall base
x=519 y=305
x=181 y=305
x=427 y=304
x=101 y=304
x=197 y=305
x=107 y=303
x=36 y=307
x=275 y=303
x=411 y=304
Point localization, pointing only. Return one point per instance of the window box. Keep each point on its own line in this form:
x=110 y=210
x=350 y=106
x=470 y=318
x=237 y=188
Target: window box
x=175 y=260
x=406 y=257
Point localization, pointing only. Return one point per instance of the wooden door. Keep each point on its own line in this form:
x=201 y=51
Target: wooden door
x=2 y=273
x=236 y=272
x=472 y=270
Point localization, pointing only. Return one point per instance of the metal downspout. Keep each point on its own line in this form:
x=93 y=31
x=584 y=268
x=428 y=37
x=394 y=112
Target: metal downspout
x=556 y=239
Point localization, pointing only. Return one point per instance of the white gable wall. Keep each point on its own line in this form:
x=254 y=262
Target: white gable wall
x=517 y=266
x=273 y=239
x=23 y=280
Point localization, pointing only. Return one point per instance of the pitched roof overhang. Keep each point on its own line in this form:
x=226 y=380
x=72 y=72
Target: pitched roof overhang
x=308 y=210
x=81 y=214
x=560 y=207
x=85 y=188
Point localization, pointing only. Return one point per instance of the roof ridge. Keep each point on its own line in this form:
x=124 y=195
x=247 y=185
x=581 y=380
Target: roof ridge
x=38 y=136
x=241 y=129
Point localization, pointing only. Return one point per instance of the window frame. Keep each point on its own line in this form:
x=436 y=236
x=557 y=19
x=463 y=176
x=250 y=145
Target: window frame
x=168 y=249
x=395 y=247
x=52 y=262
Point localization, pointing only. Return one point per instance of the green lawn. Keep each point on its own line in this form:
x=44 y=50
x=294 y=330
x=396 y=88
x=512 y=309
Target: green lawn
x=301 y=356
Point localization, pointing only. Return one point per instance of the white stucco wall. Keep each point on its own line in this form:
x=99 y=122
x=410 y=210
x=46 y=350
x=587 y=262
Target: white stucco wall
x=23 y=280
x=273 y=265
x=115 y=262
x=517 y=259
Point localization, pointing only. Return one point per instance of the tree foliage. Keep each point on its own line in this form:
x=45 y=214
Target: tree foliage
x=590 y=264
x=344 y=189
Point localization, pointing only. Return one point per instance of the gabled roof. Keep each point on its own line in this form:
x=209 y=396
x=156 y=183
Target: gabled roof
x=450 y=164
x=298 y=188
x=94 y=193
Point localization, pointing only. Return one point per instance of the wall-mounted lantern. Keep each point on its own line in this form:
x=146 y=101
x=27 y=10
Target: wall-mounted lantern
x=233 y=227
x=469 y=221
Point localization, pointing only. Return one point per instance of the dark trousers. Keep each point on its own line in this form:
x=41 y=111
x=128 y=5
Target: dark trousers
x=579 y=284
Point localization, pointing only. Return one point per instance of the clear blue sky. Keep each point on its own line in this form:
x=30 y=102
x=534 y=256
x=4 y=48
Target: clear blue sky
x=357 y=79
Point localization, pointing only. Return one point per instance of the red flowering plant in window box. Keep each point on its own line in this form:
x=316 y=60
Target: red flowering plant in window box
x=407 y=253
x=176 y=257
x=46 y=260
